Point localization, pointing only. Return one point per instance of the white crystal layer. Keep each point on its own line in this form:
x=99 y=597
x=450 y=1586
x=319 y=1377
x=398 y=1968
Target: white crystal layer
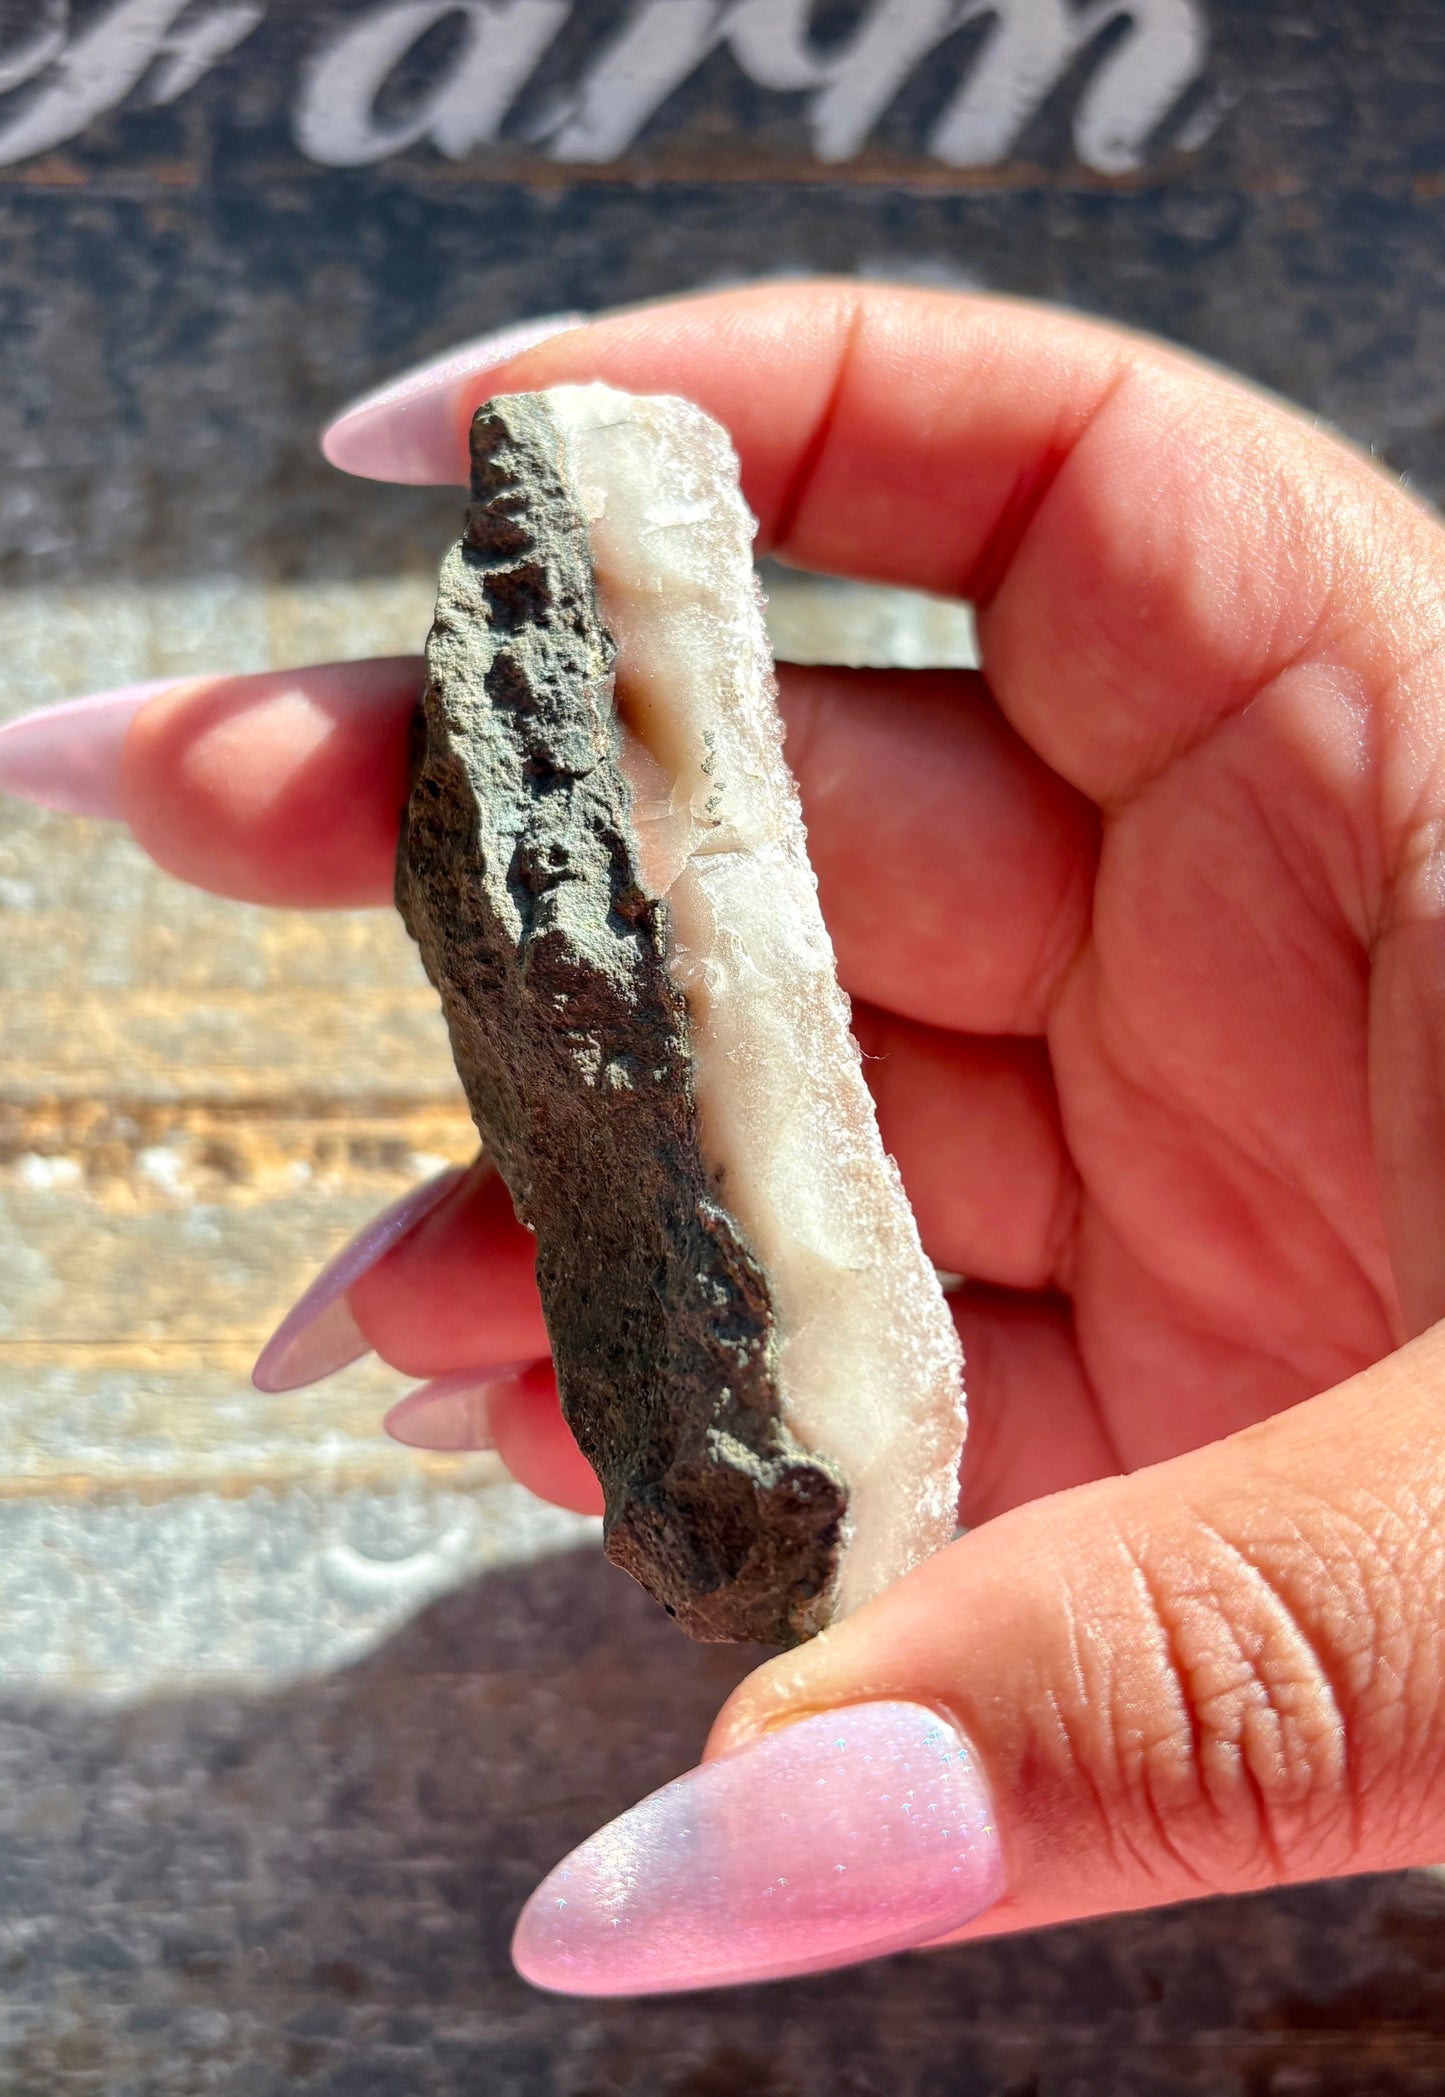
x=869 y=1363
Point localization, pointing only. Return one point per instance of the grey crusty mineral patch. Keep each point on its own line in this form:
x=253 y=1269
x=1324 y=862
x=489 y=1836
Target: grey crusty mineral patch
x=519 y=877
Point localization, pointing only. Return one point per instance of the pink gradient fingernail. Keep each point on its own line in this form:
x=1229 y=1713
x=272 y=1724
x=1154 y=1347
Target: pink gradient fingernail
x=68 y=756
x=319 y=1335
x=449 y=1414
x=861 y=1831
x=409 y=429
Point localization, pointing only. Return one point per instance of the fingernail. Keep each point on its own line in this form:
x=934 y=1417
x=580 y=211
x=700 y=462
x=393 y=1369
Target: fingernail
x=318 y=1335
x=68 y=757
x=409 y=429
x=449 y=1414
x=857 y=1832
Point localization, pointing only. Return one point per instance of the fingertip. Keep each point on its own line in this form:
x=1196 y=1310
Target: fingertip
x=450 y=1415
x=68 y=757
x=459 y=1292
x=536 y=1444
x=284 y=787
x=413 y=429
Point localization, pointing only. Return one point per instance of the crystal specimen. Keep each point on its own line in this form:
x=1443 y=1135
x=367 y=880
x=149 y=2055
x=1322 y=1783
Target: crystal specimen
x=603 y=863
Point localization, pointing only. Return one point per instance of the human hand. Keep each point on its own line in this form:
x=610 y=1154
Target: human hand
x=1142 y=929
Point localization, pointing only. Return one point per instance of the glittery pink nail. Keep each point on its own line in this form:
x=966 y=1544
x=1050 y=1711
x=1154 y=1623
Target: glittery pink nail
x=319 y=1335
x=409 y=429
x=68 y=756
x=861 y=1831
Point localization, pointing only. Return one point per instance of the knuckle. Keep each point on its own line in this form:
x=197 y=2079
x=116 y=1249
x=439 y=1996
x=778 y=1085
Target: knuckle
x=1240 y=1729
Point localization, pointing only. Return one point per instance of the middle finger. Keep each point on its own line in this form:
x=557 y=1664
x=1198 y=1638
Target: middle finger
x=954 y=868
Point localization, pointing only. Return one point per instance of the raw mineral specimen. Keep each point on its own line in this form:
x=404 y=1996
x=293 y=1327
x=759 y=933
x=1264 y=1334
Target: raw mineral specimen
x=603 y=863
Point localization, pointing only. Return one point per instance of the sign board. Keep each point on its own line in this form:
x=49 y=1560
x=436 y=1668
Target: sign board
x=222 y=217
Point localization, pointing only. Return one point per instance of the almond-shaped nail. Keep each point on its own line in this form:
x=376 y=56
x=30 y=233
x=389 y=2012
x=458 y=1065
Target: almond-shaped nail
x=857 y=1832
x=68 y=756
x=449 y=1414
x=410 y=429
x=318 y=1335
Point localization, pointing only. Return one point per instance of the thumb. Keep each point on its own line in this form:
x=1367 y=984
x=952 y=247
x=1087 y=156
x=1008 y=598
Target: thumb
x=1219 y=1674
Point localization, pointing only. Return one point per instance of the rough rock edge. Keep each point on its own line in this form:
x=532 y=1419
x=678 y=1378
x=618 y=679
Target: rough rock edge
x=519 y=878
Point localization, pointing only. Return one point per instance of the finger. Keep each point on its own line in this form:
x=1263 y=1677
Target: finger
x=517 y=1414
x=1147 y=538
x=925 y=813
x=1217 y=1675
x=974 y=1126
x=281 y=788
x=1220 y=1673
x=955 y=871
x=536 y=1444
x=1033 y=1425
x=459 y=1290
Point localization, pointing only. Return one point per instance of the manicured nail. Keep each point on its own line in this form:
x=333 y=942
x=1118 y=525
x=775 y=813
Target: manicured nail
x=318 y=1335
x=68 y=757
x=449 y=1414
x=860 y=1831
x=410 y=428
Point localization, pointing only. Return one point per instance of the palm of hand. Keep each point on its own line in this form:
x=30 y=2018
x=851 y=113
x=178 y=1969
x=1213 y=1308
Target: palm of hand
x=1177 y=1140
x=1209 y=1045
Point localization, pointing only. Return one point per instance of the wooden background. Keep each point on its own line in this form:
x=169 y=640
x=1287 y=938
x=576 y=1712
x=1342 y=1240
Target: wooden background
x=291 y=1720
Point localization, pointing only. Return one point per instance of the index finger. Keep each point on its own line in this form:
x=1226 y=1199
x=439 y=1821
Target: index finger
x=1151 y=542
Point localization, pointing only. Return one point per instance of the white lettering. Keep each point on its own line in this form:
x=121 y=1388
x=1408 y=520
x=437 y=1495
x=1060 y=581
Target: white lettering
x=648 y=59
x=95 y=71
x=1131 y=94
x=666 y=40
x=1032 y=45
x=40 y=49
x=336 y=120
x=67 y=80
x=855 y=83
x=190 y=51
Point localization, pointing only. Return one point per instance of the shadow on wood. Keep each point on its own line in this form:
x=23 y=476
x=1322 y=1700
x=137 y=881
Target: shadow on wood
x=314 y=1890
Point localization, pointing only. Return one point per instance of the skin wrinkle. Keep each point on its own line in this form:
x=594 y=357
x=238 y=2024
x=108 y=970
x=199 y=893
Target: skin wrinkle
x=1067 y=1750
x=1251 y=1347
x=1257 y=1140
x=1200 y=1744
x=805 y=473
x=1301 y=858
x=1030 y=494
x=1317 y=1774
x=1354 y=1605
x=1408 y=1116
x=1280 y=652
x=1062 y=943
x=1139 y=1244
x=1061 y=1234
x=1186 y=1726
x=1098 y=1698
x=1159 y=1092
x=1416 y=894
x=1406 y=1535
